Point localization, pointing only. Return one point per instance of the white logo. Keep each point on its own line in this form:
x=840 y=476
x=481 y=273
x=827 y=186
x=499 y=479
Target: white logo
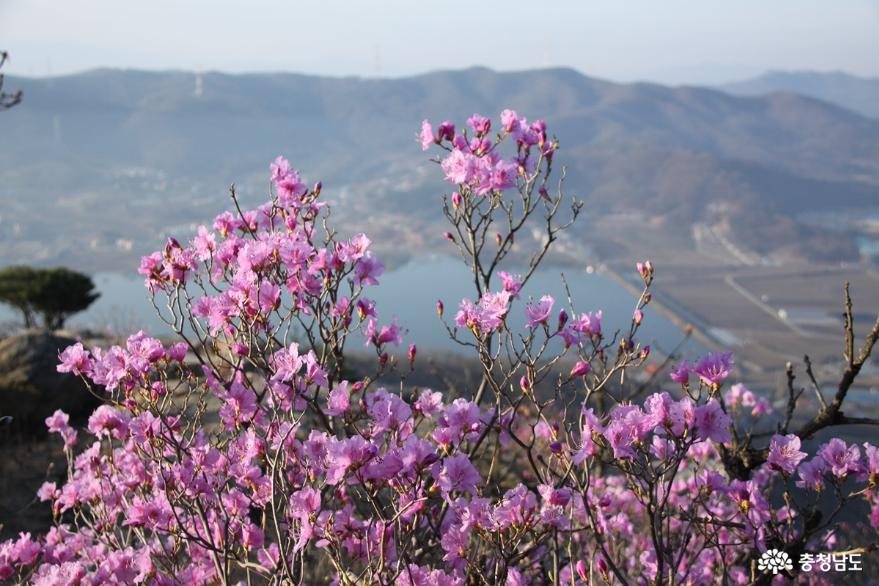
x=774 y=561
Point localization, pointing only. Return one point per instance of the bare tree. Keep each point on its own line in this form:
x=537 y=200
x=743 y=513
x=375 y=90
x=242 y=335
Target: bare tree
x=7 y=100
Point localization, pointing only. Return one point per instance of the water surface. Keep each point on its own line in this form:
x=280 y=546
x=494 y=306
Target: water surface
x=410 y=293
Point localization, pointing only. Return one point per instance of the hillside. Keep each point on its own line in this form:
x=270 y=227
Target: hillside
x=858 y=94
x=96 y=165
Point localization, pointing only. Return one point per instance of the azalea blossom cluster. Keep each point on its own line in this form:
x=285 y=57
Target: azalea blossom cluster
x=249 y=452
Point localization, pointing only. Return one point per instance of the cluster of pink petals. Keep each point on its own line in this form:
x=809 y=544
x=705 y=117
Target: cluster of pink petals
x=475 y=163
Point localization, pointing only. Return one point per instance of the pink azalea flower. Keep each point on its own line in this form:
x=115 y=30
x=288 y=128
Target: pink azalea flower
x=588 y=324
x=714 y=368
x=712 y=423
x=204 y=244
x=812 y=473
x=426 y=136
x=367 y=270
x=784 y=453
x=58 y=423
x=538 y=313
x=459 y=167
x=107 y=421
x=840 y=458
x=239 y=405
x=456 y=474
x=75 y=359
x=479 y=123
x=338 y=400
x=510 y=120
x=429 y=403
x=512 y=283
x=504 y=175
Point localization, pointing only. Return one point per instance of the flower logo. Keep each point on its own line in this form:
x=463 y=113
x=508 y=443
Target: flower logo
x=774 y=561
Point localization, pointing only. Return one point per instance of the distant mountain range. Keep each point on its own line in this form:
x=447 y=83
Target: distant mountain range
x=95 y=167
x=859 y=94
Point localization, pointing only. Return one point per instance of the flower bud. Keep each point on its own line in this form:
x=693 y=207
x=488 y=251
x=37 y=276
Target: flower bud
x=439 y=309
x=582 y=368
x=413 y=350
x=602 y=568
x=456 y=200
x=637 y=317
x=448 y=236
x=446 y=131
x=645 y=352
x=563 y=318
x=581 y=570
x=524 y=384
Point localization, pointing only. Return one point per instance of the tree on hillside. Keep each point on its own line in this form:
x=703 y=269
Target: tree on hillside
x=7 y=100
x=18 y=286
x=53 y=294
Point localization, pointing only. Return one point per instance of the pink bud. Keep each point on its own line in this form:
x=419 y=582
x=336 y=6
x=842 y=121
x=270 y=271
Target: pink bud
x=581 y=570
x=543 y=192
x=239 y=348
x=563 y=318
x=446 y=131
x=498 y=239
x=158 y=389
x=645 y=352
x=317 y=187
x=582 y=368
x=383 y=359
x=412 y=351
x=524 y=383
x=638 y=316
x=439 y=308
x=456 y=200
x=448 y=236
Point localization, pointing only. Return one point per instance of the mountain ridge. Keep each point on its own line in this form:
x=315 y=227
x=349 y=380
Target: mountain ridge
x=857 y=93
x=672 y=151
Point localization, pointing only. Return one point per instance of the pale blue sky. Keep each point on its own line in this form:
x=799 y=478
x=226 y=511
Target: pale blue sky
x=672 y=41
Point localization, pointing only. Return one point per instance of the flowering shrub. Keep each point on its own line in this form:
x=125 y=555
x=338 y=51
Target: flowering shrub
x=248 y=453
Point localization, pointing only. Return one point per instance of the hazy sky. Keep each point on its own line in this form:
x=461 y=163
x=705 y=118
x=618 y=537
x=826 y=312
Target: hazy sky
x=695 y=41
